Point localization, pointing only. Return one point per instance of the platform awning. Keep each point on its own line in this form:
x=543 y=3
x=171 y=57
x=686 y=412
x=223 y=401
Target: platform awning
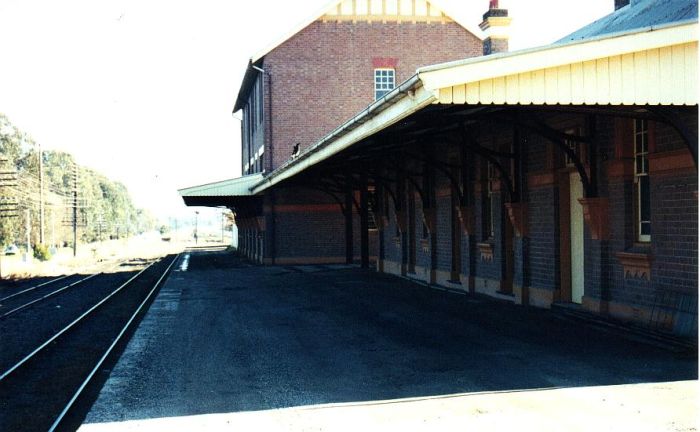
x=642 y=67
x=225 y=193
x=653 y=66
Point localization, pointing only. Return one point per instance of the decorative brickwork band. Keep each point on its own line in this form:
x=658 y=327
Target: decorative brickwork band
x=671 y=163
x=465 y=218
x=635 y=265
x=596 y=214
x=517 y=213
x=429 y=219
x=620 y=169
x=385 y=62
x=540 y=180
x=486 y=251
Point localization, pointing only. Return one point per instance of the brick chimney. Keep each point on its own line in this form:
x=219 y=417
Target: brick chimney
x=621 y=3
x=496 y=28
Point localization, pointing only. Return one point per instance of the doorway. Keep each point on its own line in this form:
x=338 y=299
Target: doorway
x=576 y=237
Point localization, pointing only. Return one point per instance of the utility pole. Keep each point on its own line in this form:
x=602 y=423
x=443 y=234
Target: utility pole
x=222 y=226
x=29 y=231
x=196 y=223
x=53 y=227
x=75 y=210
x=8 y=203
x=41 y=196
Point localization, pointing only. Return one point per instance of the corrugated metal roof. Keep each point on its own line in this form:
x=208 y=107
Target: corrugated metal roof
x=655 y=67
x=228 y=188
x=659 y=67
x=638 y=14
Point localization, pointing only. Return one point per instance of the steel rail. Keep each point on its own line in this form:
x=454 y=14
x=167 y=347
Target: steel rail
x=33 y=288
x=49 y=295
x=111 y=347
x=71 y=325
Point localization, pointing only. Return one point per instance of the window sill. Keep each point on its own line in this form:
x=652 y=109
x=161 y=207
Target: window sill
x=486 y=250
x=636 y=264
x=425 y=245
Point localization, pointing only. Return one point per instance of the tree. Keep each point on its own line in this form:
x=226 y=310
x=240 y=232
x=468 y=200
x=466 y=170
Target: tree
x=106 y=208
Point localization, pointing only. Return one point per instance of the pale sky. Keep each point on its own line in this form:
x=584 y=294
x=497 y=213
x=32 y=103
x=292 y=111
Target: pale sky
x=142 y=90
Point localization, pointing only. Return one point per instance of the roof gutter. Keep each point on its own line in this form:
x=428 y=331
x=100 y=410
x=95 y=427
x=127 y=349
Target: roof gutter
x=554 y=46
x=445 y=75
x=397 y=94
x=251 y=74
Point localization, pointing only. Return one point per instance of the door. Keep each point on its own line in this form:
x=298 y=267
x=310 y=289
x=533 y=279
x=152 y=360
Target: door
x=576 y=223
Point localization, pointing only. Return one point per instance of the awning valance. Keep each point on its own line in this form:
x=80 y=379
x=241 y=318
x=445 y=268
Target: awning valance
x=656 y=66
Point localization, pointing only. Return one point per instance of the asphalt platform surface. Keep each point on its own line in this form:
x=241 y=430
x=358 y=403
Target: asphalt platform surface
x=226 y=337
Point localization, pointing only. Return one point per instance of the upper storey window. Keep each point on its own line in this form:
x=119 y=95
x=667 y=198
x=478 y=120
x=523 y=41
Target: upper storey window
x=384 y=81
x=252 y=122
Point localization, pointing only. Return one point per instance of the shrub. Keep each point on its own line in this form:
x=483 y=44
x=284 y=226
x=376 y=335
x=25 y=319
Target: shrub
x=41 y=252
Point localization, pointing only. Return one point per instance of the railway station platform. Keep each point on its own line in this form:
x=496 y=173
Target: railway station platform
x=231 y=346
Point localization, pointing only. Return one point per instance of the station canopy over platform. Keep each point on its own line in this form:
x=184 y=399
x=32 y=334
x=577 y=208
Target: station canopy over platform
x=224 y=193
x=620 y=72
x=640 y=71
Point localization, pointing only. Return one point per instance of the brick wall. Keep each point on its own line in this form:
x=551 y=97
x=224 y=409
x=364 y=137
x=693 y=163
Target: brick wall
x=444 y=227
x=323 y=75
x=675 y=225
x=539 y=259
x=543 y=229
x=309 y=227
x=495 y=45
x=667 y=138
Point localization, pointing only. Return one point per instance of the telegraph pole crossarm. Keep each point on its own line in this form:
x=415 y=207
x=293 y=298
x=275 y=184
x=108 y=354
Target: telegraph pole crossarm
x=9 y=205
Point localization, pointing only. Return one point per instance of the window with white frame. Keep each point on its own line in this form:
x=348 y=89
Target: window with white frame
x=384 y=81
x=641 y=180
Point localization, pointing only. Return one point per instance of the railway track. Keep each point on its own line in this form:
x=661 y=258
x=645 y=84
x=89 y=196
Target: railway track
x=61 y=347
x=12 y=289
x=26 y=298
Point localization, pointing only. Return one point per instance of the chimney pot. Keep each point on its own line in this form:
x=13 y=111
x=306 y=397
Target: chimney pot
x=495 y=26
x=621 y=3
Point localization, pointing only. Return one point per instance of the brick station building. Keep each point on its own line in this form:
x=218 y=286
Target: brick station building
x=565 y=174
